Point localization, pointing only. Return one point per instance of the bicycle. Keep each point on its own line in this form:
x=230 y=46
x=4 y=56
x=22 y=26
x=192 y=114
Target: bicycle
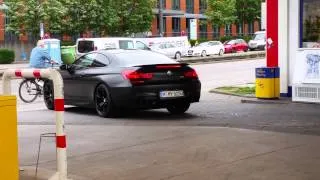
x=31 y=88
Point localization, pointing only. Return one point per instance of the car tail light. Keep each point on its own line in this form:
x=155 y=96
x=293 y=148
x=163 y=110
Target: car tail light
x=191 y=74
x=136 y=77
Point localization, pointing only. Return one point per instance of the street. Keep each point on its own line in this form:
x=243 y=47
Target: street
x=89 y=130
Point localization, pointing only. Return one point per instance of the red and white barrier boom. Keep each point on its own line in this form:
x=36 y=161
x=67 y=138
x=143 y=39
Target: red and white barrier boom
x=55 y=76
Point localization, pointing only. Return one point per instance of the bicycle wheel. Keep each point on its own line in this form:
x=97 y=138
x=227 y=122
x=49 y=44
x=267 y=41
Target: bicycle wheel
x=28 y=90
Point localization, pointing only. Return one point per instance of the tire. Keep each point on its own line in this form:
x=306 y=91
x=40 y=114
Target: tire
x=31 y=88
x=203 y=54
x=246 y=49
x=178 y=107
x=220 y=52
x=103 y=102
x=48 y=95
x=177 y=56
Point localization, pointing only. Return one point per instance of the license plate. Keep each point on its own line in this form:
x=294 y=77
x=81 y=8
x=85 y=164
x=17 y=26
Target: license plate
x=171 y=94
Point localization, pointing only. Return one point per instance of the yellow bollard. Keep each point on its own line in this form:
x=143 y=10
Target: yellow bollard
x=9 y=168
x=267 y=83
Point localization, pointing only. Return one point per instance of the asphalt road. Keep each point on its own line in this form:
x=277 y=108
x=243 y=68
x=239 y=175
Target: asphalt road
x=212 y=110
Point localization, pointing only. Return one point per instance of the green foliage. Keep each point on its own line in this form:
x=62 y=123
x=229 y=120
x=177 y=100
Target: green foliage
x=246 y=90
x=6 y=56
x=221 y=12
x=248 y=10
x=74 y=17
x=192 y=42
x=224 y=39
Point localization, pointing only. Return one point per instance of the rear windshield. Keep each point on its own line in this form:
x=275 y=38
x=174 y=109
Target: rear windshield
x=137 y=58
x=85 y=46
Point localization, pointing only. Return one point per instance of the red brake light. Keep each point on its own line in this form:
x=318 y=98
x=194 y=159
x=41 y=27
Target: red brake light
x=191 y=74
x=136 y=77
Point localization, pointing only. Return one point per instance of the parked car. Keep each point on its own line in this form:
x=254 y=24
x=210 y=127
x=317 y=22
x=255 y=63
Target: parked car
x=85 y=45
x=235 y=45
x=109 y=80
x=258 y=41
x=169 y=50
x=206 y=48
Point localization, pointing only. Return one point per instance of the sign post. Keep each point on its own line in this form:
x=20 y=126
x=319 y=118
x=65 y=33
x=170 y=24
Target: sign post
x=41 y=30
x=193 y=29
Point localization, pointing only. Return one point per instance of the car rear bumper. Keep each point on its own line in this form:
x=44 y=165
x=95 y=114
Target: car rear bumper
x=148 y=96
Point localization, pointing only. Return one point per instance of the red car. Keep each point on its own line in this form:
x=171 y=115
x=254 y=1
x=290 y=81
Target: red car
x=235 y=45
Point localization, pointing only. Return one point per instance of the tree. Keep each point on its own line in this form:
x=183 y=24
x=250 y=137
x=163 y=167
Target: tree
x=221 y=12
x=131 y=16
x=26 y=16
x=248 y=10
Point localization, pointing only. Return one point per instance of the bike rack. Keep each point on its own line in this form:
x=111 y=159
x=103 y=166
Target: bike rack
x=54 y=75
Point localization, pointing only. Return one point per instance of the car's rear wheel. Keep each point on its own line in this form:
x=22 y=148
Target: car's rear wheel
x=103 y=103
x=178 y=107
x=203 y=53
x=48 y=94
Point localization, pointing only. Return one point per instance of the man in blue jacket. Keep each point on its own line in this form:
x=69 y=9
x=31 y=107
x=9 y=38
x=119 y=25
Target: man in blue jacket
x=39 y=57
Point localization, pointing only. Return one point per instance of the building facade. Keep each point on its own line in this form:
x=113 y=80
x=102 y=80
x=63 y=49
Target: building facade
x=178 y=13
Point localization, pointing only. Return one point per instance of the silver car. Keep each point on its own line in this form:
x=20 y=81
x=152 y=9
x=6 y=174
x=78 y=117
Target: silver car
x=169 y=50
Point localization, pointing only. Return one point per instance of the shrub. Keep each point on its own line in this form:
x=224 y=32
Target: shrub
x=6 y=56
x=223 y=39
x=192 y=42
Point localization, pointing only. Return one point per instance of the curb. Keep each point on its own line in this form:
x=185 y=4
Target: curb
x=265 y=101
x=231 y=94
x=224 y=58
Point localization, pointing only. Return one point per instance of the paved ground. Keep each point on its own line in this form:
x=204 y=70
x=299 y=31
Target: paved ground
x=216 y=139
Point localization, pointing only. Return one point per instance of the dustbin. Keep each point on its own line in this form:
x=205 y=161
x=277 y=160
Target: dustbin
x=9 y=168
x=53 y=46
x=68 y=54
x=267 y=82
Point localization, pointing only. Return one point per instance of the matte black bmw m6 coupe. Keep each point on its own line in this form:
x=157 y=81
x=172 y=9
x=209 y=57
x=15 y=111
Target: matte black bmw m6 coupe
x=110 y=80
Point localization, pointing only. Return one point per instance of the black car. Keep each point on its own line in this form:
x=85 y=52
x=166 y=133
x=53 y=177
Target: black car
x=110 y=80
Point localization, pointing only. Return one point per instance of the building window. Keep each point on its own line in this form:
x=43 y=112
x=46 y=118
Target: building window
x=176 y=26
x=216 y=32
x=228 y=30
x=251 y=28
x=240 y=29
x=203 y=29
x=203 y=6
x=310 y=24
x=176 y=4
x=163 y=4
x=190 y=6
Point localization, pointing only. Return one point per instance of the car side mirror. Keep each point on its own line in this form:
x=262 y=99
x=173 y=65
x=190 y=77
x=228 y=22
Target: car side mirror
x=64 y=67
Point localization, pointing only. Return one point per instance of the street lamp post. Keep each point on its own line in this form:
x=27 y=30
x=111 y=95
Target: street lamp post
x=160 y=18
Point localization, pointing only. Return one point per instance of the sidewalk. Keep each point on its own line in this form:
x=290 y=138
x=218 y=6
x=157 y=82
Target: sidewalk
x=175 y=153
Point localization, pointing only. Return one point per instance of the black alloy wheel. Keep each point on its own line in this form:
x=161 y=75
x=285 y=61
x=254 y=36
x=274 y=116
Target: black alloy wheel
x=48 y=95
x=103 y=103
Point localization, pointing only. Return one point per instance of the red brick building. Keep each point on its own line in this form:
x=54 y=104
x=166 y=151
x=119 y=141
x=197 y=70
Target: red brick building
x=177 y=15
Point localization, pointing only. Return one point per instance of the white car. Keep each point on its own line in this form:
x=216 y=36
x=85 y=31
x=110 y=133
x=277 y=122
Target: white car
x=169 y=50
x=206 y=49
x=258 y=41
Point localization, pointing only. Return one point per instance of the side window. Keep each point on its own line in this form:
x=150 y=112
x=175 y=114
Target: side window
x=86 y=60
x=162 y=46
x=141 y=45
x=101 y=60
x=125 y=44
x=85 y=46
x=170 y=46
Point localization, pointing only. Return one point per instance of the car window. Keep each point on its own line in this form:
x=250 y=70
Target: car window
x=126 y=44
x=85 y=46
x=162 y=46
x=169 y=46
x=141 y=45
x=135 y=58
x=231 y=42
x=89 y=60
x=101 y=60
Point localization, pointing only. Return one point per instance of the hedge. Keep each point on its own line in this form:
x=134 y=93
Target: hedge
x=6 y=56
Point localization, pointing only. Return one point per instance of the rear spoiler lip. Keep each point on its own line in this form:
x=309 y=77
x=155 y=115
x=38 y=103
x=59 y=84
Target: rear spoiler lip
x=154 y=65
